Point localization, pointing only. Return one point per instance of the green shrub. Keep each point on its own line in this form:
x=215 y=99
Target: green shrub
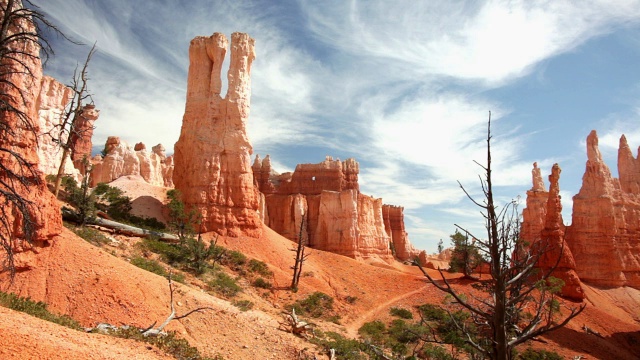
x=91 y=235
x=149 y=265
x=234 y=260
x=243 y=305
x=350 y=299
x=170 y=253
x=261 y=283
x=374 y=331
x=197 y=254
x=347 y=349
x=113 y=201
x=37 y=309
x=401 y=313
x=257 y=266
x=531 y=354
x=315 y=305
x=170 y=344
x=224 y=285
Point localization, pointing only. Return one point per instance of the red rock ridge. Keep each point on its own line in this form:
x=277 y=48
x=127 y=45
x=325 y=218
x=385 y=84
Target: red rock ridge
x=604 y=236
x=556 y=252
x=212 y=156
x=18 y=135
x=339 y=218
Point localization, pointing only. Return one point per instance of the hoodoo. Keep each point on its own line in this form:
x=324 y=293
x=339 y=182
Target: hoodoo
x=605 y=225
x=213 y=154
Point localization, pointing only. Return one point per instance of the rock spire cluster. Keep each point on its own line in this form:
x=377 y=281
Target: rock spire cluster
x=601 y=246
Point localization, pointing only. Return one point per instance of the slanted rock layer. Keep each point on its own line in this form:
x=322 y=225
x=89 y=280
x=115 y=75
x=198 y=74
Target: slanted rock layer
x=213 y=154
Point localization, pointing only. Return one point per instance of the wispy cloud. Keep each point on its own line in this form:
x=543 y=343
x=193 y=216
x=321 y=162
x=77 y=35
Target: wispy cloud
x=490 y=42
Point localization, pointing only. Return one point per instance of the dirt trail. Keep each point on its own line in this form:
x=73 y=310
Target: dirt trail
x=352 y=328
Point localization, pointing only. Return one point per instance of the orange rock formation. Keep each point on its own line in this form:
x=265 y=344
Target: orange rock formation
x=338 y=218
x=52 y=99
x=18 y=136
x=212 y=156
x=604 y=236
x=123 y=160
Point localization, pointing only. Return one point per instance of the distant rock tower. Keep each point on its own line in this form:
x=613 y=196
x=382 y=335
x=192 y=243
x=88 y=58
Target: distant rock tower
x=213 y=154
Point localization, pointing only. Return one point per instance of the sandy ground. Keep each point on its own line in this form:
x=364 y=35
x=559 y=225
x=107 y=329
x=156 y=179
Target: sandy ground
x=92 y=285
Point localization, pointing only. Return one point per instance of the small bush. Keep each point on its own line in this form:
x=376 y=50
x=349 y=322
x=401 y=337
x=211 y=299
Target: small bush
x=350 y=299
x=37 y=309
x=224 y=285
x=261 y=283
x=531 y=354
x=234 y=260
x=91 y=235
x=170 y=344
x=257 y=266
x=243 y=305
x=149 y=265
x=170 y=253
x=374 y=331
x=401 y=313
x=347 y=349
x=315 y=305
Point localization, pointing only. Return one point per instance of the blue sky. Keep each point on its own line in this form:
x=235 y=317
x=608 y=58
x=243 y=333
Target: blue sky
x=404 y=87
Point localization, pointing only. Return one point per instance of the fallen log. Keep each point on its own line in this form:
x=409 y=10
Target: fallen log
x=120 y=228
x=132 y=230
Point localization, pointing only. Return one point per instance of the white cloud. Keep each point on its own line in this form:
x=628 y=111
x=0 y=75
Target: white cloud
x=491 y=42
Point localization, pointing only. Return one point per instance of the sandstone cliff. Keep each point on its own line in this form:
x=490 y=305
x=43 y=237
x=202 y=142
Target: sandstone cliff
x=22 y=72
x=556 y=253
x=122 y=159
x=605 y=232
x=338 y=218
x=52 y=100
x=212 y=156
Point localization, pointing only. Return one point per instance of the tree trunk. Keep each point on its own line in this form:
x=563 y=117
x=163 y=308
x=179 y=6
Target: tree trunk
x=56 y=188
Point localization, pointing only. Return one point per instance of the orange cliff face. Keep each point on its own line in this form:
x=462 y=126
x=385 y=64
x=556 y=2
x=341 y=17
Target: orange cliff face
x=337 y=217
x=604 y=236
x=18 y=135
x=213 y=154
x=122 y=159
x=602 y=244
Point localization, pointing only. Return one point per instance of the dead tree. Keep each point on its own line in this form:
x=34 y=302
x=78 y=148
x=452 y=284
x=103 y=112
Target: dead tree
x=68 y=131
x=300 y=257
x=22 y=48
x=150 y=331
x=520 y=302
x=294 y=325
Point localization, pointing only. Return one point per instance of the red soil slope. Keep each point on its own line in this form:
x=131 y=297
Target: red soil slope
x=91 y=285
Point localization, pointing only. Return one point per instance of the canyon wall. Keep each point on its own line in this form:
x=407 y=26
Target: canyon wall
x=20 y=86
x=325 y=200
x=52 y=99
x=605 y=232
x=603 y=241
x=213 y=154
x=123 y=159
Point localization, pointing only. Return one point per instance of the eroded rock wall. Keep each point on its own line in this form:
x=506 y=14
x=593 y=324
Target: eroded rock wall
x=338 y=218
x=393 y=217
x=604 y=235
x=212 y=156
x=20 y=87
x=556 y=253
x=123 y=159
